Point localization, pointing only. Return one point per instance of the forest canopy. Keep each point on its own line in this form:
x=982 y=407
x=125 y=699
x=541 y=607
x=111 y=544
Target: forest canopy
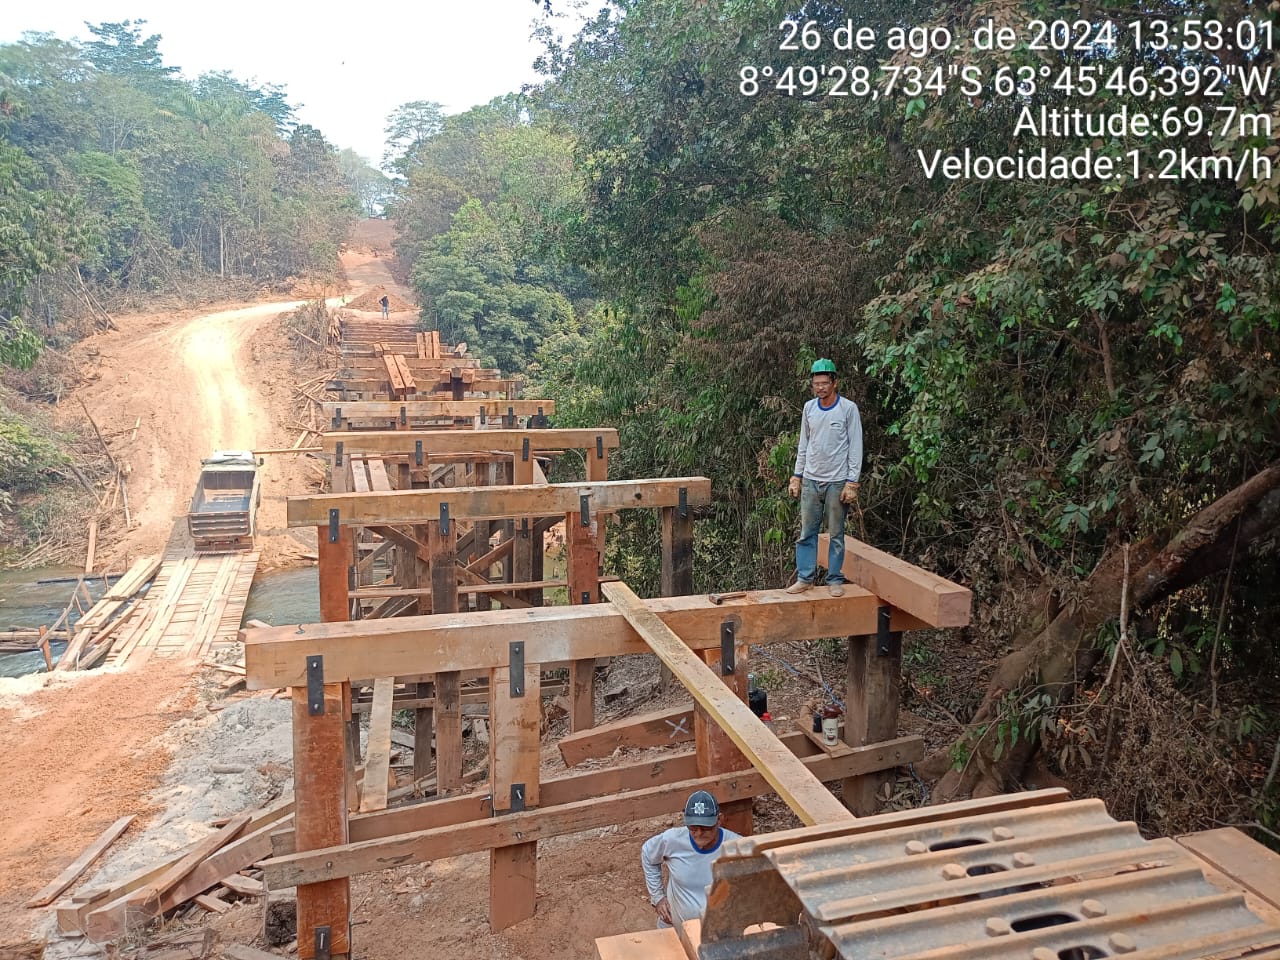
x=1069 y=386
x=119 y=175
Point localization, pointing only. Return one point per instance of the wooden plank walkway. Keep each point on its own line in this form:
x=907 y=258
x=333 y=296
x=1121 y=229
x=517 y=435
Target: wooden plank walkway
x=194 y=608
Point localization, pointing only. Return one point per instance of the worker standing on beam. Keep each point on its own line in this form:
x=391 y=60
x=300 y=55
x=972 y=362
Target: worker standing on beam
x=688 y=852
x=825 y=478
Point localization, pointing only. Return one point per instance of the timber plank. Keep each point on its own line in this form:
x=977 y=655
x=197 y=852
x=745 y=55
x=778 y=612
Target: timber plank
x=493 y=503
x=595 y=783
x=463 y=441
x=425 y=409
x=927 y=596
x=1245 y=861
x=659 y=729
x=409 y=646
x=794 y=783
x=114 y=919
x=332 y=863
x=377 y=764
x=81 y=863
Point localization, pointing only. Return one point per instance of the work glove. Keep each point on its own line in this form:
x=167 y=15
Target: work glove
x=849 y=495
x=793 y=487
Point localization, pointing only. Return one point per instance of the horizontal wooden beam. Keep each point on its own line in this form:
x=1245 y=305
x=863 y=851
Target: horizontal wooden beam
x=791 y=779
x=406 y=646
x=660 y=729
x=494 y=503
x=924 y=595
x=419 y=409
x=574 y=786
x=465 y=441
x=366 y=856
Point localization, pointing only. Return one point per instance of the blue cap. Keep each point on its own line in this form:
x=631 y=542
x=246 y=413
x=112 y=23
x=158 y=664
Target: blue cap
x=701 y=810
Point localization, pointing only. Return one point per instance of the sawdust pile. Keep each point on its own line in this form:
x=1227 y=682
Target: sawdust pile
x=369 y=301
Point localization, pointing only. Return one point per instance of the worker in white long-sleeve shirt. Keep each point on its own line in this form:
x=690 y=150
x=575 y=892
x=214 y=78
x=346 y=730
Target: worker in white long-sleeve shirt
x=688 y=852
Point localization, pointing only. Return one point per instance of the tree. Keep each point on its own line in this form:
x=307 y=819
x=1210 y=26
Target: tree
x=367 y=183
x=408 y=127
x=40 y=231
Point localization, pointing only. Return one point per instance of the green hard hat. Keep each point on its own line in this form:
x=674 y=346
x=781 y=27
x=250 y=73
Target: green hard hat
x=823 y=366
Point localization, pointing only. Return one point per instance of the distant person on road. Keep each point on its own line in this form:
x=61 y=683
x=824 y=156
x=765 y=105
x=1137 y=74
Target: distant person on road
x=688 y=851
x=385 y=303
x=825 y=478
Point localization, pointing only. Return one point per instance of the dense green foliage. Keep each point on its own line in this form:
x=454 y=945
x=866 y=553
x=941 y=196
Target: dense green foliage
x=1046 y=369
x=118 y=173
x=480 y=211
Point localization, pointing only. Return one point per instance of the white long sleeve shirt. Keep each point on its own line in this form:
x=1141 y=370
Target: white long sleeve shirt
x=688 y=871
x=830 y=442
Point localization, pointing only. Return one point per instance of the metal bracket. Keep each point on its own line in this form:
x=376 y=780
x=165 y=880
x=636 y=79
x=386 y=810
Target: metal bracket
x=683 y=508
x=516 y=667
x=324 y=943
x=524 y=527
x=517 y=798
x=337 y=417
x=542 y=418
x=417 y=452
x=404 y=416
x=584 y=503
x=524 y=451
x=511 y=418
x=333 y=524
x=882 y=630
x=315 y=685
x=586 y=596
x=599 y=447
x=483 y=413
x=444 y=519
x=337 y=458
x=728 y=635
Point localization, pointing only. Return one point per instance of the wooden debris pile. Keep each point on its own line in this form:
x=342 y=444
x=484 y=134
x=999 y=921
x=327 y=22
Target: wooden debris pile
x=205 y=876
x=95 y=631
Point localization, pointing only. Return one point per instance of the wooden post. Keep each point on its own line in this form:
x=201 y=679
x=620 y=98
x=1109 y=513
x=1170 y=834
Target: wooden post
x=677 y=565
x=441 y=547
x=514 y=721
x=320 y=769
x=583 y=573
x=716 y=752
x=872 y=698
x=485 y=475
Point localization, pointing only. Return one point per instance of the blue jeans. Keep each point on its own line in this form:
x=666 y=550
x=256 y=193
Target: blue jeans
x=819 y=500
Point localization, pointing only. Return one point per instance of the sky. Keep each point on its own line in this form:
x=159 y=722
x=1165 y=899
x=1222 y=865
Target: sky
x=344 y=68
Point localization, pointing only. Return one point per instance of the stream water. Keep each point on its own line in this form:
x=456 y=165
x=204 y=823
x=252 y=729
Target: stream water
x=278 y=597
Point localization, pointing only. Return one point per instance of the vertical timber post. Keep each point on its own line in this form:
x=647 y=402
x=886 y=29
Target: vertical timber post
x=583 y=573
x=872 y=698
x=442 y=549
x=515 y=715
x=320 y=768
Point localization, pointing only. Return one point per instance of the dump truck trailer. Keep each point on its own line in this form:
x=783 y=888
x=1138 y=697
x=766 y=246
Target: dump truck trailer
x=221 y=517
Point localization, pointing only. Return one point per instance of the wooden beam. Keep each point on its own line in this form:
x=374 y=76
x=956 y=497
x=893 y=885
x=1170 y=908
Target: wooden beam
x=660 y=729
x=322 y=762
x=582 y=569
x=514 y=762
x=467 y=441
x=493 y=503
x=608 y=782
x=346 y=411
x=872 y=696
x=442 y=556
x=377 y=763
x=799 y=788
x=408 y=646
x=81 y=863
x=488 y=832
x=924 y=595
